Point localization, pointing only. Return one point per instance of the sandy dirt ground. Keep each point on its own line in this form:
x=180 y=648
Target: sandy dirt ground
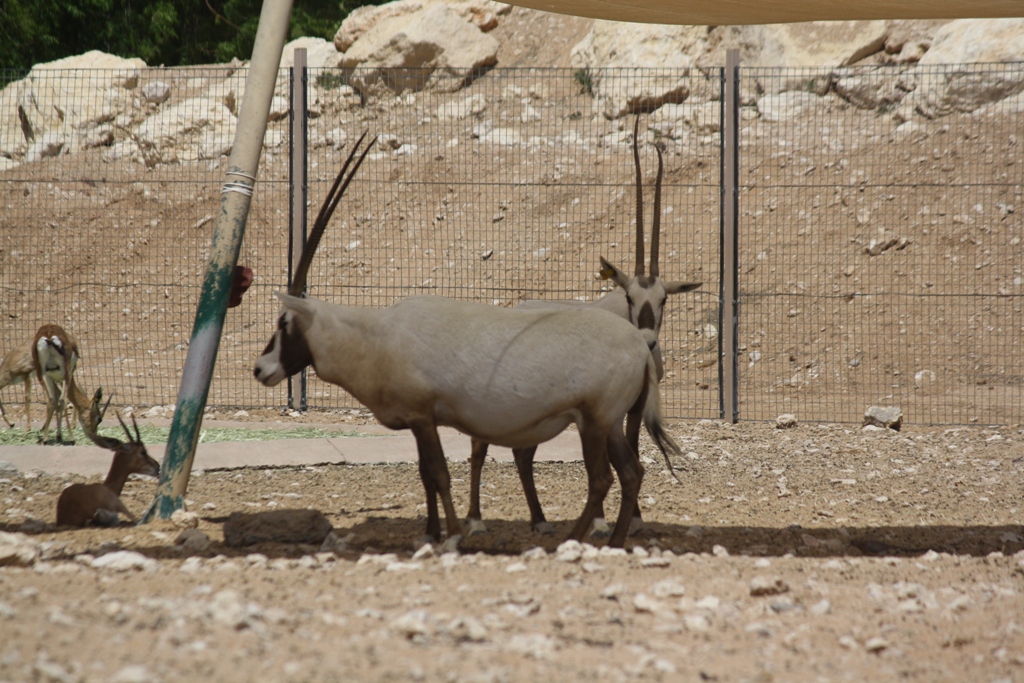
x=818 y=553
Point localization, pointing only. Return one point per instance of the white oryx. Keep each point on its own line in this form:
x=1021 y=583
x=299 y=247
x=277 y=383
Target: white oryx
x=509 y=377
x=640 y=300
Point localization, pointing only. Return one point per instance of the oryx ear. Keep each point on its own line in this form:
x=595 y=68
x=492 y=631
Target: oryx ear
x=680 y=287
x=610 y=272
x=296 y=304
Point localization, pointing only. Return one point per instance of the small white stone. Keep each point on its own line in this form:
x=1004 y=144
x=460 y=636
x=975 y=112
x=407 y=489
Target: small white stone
x=668 y=589
x=876 y=644
x=537 y=553
x=570 y=551
x=613 y=591
x=124 y=560
x=425 y=552
x=183 y=519
x=763 y=585
x=696 y=622
x=516 y=567
x=412 y=624
x=644 y=603
x=135 y=673
x=821 y=608
x=719 y=551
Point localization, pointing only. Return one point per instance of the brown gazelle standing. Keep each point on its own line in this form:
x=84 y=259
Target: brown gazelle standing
x=17 y=366
x=83 y=504
x=55 y=356
x=639 y=299
x=22 y=363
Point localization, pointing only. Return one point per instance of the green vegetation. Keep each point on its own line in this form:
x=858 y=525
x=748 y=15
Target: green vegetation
x=167 y=32
x=585 y=80
x=157 y=435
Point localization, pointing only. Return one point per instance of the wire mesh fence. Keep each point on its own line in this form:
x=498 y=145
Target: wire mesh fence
x=511 y=189
x=879 y=243
x=879 y=232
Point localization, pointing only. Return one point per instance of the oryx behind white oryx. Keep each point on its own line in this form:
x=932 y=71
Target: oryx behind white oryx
x=510 y=377
x=640 y=300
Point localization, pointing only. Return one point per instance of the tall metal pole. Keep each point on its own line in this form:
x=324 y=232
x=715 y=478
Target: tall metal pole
x=730 y=229
x=236 y=194
x=299 y=185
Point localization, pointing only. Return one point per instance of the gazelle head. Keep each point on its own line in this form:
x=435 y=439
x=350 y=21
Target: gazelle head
x=646 y=295
x=287 y=352
x=130 y=456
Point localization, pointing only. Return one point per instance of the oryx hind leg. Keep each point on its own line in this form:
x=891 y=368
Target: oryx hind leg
x=634 y=420
x=524 y=465
x=599 y=478
x=436 y=482
x=477 y=455
x=631 y=473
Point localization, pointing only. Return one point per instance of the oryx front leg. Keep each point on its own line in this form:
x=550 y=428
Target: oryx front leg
x=599 y=478
x=436 y=482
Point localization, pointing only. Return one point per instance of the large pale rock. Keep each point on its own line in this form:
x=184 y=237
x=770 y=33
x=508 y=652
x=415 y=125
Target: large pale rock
x=75 y=94
x=673 y=120
x=320 y=53
x=610 y=56
x=944 y=90
x=198 y=128
x=13 y=143
x=481 y=13
x=17 y=550
x=808 y=44
x=786 y=105
x=431 y=40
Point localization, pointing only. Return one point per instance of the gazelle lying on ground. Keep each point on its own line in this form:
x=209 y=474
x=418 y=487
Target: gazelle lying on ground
x=83 y=504
x=510 y=377
x=21 y=363
x=640 y=300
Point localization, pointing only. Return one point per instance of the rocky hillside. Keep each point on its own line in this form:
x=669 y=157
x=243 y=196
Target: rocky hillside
x=116 y=106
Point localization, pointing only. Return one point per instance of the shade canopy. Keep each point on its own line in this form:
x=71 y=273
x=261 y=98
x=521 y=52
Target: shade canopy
x=732 y=12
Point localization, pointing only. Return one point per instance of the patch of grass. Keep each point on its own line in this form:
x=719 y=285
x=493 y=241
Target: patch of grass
x=158 y=435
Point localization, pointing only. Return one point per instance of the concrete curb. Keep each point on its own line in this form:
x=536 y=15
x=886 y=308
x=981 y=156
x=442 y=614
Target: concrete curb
x=373 y=445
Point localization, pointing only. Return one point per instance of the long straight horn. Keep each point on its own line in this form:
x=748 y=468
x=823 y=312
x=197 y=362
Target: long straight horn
x=656 y=221
x=124 y=427
x=326 y=211
x=135 y=425
x=639 y=202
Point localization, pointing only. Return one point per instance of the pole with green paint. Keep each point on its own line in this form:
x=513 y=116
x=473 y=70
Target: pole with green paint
x=236 y=194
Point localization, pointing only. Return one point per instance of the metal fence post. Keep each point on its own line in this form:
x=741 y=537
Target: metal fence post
x=298 y=192
x=236 y=195
x=727 y=323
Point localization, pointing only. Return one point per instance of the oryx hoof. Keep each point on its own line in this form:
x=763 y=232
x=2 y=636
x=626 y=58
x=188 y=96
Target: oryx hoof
x=600 y=529
x=452 y=544
x=636 y=525
x=545 y=528
x=476 y=526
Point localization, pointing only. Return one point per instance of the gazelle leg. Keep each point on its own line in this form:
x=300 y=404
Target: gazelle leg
x=4 y=415
x=599 y=478
x=436 y=482
x=28 y=403
x=524 y=465
x=631 y=473
x=51 y=404
x=476 y=464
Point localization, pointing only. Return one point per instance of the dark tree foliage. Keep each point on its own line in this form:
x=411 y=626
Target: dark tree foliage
x=168 y=32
